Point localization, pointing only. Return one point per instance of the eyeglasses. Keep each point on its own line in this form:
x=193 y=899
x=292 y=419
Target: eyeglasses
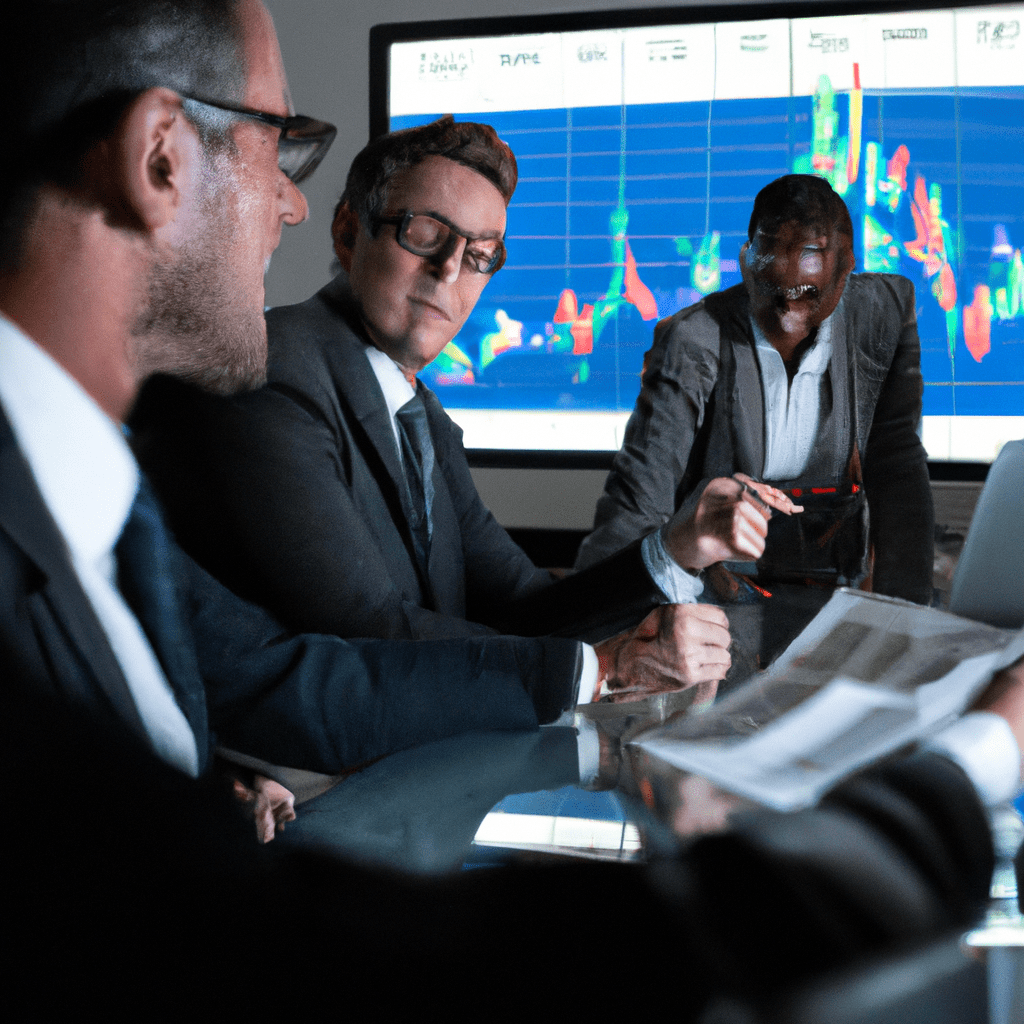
x=303 y=142
x=429 y=234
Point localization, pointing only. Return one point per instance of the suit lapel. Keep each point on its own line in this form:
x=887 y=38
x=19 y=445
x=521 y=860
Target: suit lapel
x=354 y=379
x=838 y=427
x=357 y=388
x=742 y=417
x=27 y=521
x=447 y=565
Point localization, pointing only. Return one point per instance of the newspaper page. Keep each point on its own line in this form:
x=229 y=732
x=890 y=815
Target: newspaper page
x=868 y=675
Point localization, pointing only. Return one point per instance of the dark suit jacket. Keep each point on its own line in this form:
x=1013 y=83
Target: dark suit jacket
x=875 y=374
x=314 y=702
x=292 y=496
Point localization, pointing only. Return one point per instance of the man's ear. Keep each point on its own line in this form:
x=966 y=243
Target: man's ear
x=847 y=261
x=344 y=231
x=744 y=269
x=147 y=160
x=851 y=257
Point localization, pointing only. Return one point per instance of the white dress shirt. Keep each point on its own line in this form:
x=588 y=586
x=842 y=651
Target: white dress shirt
x=393 y=382
x=792 y=412
x=88 y=477
x=677 y=585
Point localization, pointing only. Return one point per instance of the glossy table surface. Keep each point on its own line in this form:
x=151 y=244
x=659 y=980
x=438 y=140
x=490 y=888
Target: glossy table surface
x=485 y=798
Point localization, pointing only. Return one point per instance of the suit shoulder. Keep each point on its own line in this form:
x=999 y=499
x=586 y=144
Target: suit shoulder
x=310 y=348
x=882 y=288
x=299 y=334
x=704 y=319
x=697 y=312
x=693 y=335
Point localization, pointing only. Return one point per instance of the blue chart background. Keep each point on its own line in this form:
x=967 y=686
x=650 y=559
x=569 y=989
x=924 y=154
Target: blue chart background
x=691 y=168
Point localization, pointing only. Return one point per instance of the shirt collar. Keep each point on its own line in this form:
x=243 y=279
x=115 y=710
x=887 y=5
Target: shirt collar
x=816 y=359
x=393 y=382
x=81 y=462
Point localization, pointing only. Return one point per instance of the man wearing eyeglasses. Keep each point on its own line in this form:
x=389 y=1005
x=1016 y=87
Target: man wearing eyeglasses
x=340 y=498
x=153 y=181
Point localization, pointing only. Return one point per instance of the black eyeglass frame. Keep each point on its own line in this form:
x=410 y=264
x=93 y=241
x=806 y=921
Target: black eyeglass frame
x=402 y=219
x=297 y=131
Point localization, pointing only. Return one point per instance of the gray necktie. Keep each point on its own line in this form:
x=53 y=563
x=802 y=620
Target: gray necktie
x=418 y=459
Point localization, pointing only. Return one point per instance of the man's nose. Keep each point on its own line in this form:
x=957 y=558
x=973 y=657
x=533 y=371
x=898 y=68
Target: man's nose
x=811 y=262
x=294 y=208
x=448 y=262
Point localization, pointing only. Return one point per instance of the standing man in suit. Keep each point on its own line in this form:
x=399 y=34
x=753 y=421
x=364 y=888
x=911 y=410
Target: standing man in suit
x=299 y=496
x=805 y=375
x=153 y=180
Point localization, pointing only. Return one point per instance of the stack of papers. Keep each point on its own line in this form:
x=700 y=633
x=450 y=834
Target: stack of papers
x=869 y=675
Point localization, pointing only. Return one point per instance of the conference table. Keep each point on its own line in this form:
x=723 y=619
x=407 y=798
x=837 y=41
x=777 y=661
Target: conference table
x=481 y=800
x=486 y=798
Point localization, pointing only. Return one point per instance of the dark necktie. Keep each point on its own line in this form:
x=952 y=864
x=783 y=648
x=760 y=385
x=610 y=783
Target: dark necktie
x=418 y=460
x=147 y=581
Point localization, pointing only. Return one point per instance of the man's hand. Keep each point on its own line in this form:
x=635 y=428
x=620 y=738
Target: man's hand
x=271 y=804
x=729 y=522
x=676 y=646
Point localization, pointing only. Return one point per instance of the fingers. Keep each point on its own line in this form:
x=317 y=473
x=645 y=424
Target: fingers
x=768 y=495
x=694 y=626
x=669 y=663
x=675 y=647
x=732 y=524
x=732 y=521
x=704 y=664
x=242 y=792
x=275 y=805
x=729 y=522
x=284 y=813
x=264 y=822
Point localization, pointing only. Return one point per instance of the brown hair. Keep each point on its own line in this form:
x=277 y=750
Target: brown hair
x=473 y=145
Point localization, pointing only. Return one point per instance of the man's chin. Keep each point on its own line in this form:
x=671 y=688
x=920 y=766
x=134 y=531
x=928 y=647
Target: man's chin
x=231 y=365
x=792 y=320
x=225 y=380
x=795 y=321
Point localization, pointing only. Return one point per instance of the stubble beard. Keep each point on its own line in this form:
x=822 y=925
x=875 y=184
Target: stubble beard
x=190 y=330
x=192 y=324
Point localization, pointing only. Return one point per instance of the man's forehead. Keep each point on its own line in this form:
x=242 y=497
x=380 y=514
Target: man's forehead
x=432 y=169
x=266 y=86
x=792 y=232
x=439 y=185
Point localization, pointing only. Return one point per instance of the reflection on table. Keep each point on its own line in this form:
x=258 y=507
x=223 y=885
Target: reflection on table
x=486 y=798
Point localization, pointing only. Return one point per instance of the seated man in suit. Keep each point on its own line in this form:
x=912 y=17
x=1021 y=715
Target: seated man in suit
x=316 y=498
x=153 y=184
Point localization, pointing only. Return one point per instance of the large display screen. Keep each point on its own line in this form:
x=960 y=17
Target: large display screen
x=640 y=150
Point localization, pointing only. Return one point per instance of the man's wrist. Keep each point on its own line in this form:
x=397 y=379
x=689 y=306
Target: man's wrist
x=678 y=585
